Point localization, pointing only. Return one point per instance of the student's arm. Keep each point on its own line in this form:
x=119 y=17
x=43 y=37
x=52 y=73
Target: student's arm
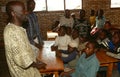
x=70 y=57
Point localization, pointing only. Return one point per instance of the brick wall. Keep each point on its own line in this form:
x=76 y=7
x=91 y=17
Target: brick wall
x=46 y=19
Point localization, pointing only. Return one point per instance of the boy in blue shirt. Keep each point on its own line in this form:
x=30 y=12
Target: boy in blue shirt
x=87 y=65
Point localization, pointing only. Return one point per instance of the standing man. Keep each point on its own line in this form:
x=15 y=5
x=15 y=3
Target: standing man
x=20 y=57
x=33 y=29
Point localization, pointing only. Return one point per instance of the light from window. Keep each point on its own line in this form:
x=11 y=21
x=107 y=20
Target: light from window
x=73 y=4
x=55 y=5
x=115 y=3
x=40 y=5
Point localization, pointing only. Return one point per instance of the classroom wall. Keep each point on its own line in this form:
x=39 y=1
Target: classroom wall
x=46 y=19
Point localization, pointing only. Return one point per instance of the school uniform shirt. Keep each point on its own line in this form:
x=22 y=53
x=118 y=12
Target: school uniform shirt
x=62 y=42
x=76 y=40
x=18 y=52
x=112 y=47
x=83 y=27
x=100 y=22
x=68 y=22
x=92 y=20
x=86 y=67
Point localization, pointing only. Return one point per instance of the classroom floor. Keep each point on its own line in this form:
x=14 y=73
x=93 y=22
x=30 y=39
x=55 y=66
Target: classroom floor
x=4 y=72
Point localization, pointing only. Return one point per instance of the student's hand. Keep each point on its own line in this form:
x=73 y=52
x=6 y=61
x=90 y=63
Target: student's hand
x=39 y=46
x=54 y=48
x=58 y=53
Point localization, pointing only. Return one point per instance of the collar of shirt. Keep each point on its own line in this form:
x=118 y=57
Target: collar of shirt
x=90 y=57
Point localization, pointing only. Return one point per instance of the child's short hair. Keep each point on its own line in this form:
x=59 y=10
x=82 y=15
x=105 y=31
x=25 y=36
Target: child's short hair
x=96 y=45
x=63 y=27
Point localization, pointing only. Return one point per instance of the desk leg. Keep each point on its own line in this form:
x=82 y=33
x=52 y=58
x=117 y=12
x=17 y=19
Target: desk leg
x=56 y=74
x=109 y=70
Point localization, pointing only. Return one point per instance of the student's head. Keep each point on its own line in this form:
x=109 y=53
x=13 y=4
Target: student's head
x=92 y=13
x=62 y=31
x=102 y=34
x=75 y=33
x=116 y=38
x=73 y=15
x=30 y=5
x=73 y=45
x=83 y=39
x=16 y=11
x=91 y=47
x=100 y=13
x=67 y=13
x=68 y=30
x=107 y=25
x=82 y=13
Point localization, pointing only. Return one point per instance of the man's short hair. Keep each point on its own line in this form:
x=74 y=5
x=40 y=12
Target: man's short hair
x=11 y=4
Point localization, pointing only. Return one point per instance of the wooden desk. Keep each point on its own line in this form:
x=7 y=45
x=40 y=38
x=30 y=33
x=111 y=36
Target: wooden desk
x=106 y=60
x=54 y=64
x=51 y=35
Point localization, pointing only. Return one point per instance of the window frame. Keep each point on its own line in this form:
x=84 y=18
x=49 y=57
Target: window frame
x=46 y=10
x=114 y=7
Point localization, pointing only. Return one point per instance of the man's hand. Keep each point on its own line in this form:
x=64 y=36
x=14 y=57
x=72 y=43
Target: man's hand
x=39 y=65
x=39 y=46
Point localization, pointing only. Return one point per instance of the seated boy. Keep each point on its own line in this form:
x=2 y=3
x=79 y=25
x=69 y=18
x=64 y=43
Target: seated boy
x=87 y=65
x=62 y=40
x=102 y=38
x=114 y=47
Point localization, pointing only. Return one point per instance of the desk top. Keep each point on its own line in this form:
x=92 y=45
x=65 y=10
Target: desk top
x=104 y=58
x=47 y=56
x=51 y=34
